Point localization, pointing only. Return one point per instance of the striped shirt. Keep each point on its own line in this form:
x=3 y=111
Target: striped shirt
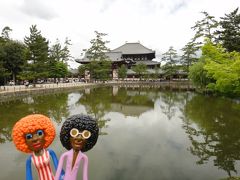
x=42 y=164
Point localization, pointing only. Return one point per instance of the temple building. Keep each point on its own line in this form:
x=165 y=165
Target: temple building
x=129 y=54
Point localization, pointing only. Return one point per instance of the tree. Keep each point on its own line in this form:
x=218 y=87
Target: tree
x=122 y=71
x=81 y=70
x=229 y=34
x=11 y=55
x=100 y=65
x=4 y=73
x=189 y=55
x=156 y=72
x=224 y=68
x=58 y=58
x=5 y=33
x=59 y=53
x=98 y=48
x=198 y=75
x=37 y=56
x=205 y=28
x=140 y=69
x=170 y=58
x=14 y=58
x=58 y=70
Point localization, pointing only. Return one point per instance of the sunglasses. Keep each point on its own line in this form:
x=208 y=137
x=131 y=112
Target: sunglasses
x=85 y=134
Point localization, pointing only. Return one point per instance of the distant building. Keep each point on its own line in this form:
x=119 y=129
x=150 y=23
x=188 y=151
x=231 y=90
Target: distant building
x=129 y=54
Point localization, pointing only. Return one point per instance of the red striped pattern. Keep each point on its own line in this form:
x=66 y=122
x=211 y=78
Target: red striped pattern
x=42 y=164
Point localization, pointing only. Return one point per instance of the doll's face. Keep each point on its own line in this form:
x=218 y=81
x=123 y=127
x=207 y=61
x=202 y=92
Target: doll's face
x=35 y=141
x=78 y=139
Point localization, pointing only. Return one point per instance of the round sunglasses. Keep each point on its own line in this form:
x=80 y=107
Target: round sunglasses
x=75 y=132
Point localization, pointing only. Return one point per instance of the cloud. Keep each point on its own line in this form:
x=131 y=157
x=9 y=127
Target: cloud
x=106 y=5
x=178 y=6
x=37 y=9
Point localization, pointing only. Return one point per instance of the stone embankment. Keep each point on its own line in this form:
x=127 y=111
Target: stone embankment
x=11 y=92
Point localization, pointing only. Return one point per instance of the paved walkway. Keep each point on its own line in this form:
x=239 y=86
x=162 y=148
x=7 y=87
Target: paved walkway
x=22 y=88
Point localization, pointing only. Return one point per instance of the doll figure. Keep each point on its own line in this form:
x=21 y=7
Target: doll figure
x=79 y=133
x=33 y=134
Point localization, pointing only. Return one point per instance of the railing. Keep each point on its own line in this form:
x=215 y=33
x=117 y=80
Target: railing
x=38 y=86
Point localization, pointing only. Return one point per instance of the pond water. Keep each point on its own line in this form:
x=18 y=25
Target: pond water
x=145 y=133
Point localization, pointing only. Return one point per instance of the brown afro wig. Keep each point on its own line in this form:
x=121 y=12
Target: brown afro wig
x=30 y=124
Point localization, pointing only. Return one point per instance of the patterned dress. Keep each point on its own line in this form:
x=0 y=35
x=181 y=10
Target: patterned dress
x=42 y=164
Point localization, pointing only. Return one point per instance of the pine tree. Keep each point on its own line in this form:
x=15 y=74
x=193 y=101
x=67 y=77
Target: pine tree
x=229 y=34
x=189 y=55
x=98 y=48
x=205 y=28
x=170 y=58
x=37 y=56
x=100 y=65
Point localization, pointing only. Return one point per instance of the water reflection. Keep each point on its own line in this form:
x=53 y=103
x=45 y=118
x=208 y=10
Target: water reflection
x=146 y=132
x=212 y=126
x=54 y=106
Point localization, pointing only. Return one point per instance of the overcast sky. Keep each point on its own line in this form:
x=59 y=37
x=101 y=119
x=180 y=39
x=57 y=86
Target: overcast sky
x=157 y=24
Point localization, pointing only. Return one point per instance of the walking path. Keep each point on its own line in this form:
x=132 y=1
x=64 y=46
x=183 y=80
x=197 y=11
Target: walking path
x=23 y=88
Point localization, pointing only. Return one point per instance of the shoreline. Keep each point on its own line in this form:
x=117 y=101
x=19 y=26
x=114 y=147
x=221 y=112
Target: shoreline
x=11 y=92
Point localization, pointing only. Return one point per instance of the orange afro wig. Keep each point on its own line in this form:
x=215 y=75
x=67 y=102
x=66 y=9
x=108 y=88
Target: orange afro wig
x=30 y=124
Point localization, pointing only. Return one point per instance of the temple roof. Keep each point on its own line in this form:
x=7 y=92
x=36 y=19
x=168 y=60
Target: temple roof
x=133 y=48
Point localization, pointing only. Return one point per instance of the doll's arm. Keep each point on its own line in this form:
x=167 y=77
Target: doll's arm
x=54 y=158
x=55 y=161
x=85 y=167
x=59 y=172
x=28 y=168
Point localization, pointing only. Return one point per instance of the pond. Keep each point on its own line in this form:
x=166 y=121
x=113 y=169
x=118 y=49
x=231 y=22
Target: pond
x=146 y=133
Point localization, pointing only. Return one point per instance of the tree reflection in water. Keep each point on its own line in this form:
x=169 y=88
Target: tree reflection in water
x=54 y=106
x=100 y=101
x=212 y=125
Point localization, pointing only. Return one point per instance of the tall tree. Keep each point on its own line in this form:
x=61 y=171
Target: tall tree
x=5 y=33
x=14 y=58
x=37 y=55
x=4 y=73
x=98 y=48
x=205 y=28
x=100 y=65
x=58 y=57
x=189 y=55
x=229 y=34
x=170 y=59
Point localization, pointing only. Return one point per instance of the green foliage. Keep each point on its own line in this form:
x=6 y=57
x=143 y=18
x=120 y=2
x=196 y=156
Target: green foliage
x=5 y=33
x=100 y=65
x=81 y=70
x=37 y=55
x=140 y=69
x=189 y=55
x=224 y=68
x=205 y=28
x=229 y=33
x=59 y=53
x=198 y=75
x=170 y=57
x=14 y=58
x=98 y=48
x=58 y=70
x=122 y=71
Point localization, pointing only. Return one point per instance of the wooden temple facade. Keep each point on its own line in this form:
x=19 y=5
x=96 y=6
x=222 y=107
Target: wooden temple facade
x=129 y=54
